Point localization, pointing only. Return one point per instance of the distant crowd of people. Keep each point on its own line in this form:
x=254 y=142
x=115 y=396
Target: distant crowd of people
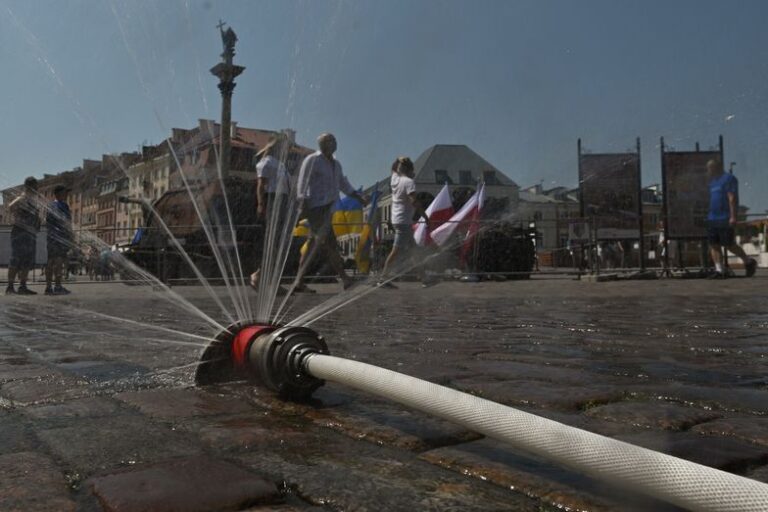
x=64 y=258
x=320 y=181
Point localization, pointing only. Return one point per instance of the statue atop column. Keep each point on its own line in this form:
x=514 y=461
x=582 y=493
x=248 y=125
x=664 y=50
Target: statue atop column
x=228 y=40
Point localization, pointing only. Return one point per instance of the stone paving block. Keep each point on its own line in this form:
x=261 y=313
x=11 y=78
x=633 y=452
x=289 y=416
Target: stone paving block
x=325 y=468
x=195 y=484
x=14 y=436
x=753 y=401
x=283 y=508
x=43 y=390
x=760 y=474
x=492 y=461
x=700 y=373
x=95 y=444
x=16 y=371
x=31 y=483
x=540 y=394
x=100 y=371
x=59 y=352
x=262 y=430
x=661 y=415
x=183 y=403
x=752 y=429
x=723 y=453
x=93 y=407
x=364 y=417
x=513 y=370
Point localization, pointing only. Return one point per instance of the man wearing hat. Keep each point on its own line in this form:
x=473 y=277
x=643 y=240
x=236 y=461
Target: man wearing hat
x=272 y=187
x=59 y=237
x=26 y=224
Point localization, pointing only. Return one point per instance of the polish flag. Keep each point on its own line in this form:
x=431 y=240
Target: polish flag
x=444 y=232
x=474 y=226
x=439 y=211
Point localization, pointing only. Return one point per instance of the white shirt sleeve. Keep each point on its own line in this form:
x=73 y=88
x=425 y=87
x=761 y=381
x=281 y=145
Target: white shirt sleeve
x=261 y=168
x=302 y=185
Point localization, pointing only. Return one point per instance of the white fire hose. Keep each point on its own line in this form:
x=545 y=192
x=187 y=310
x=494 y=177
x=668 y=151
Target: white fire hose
x=677 y=481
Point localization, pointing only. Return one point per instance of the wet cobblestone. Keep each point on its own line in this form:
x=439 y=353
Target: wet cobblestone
x=677 y=366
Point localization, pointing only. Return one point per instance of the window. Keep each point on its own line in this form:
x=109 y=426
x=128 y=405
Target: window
x=489 y=177
x=465 y=178
x=441 y=177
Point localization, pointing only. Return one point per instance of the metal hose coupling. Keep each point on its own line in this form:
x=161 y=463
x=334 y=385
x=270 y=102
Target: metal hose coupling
x=276 y=359
x=271 y=356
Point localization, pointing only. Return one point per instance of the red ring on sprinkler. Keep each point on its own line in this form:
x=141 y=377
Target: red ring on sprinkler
x=242 y=341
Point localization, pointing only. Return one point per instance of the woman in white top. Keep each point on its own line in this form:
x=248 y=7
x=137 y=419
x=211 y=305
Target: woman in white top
x=404 y=206
x=272 y=187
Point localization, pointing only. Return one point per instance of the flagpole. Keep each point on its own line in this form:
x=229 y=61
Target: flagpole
x=476 y=241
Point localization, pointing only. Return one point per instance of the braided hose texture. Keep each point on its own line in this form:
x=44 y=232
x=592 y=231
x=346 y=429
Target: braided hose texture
x=681 y=482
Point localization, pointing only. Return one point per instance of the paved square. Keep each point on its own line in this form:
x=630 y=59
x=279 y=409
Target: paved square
x=99 y=385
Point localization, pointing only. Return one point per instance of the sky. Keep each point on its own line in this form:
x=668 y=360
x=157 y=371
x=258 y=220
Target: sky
x=519 y=81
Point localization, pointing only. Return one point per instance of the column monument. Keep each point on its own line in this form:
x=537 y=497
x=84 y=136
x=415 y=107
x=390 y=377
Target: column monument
x=226 y=72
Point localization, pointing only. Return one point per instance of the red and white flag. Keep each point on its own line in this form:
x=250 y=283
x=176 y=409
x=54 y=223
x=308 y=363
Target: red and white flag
x=444 y=232
x=474 y=226
x=439 y=211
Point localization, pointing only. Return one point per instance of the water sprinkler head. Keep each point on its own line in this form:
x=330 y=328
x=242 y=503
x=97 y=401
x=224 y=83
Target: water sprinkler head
x=269 y=355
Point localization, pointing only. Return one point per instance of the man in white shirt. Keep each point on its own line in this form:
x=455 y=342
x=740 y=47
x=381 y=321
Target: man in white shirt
x=404 y=206
x=320 y=180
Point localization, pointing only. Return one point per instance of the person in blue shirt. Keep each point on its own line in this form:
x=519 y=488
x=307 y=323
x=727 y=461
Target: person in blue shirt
x=58 y=220
x=721 y=219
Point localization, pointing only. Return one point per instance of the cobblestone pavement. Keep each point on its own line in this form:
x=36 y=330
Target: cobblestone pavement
x=98 y=413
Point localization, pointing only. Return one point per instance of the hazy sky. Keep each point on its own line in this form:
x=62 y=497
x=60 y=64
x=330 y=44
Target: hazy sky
x=518 y=81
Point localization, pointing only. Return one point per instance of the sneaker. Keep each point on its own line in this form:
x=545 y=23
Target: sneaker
x=751 y=267
x=303 y=289
x=48 y=291
x=348 y=283
x=386 y=284
x=428 y=283
x=60 y=290
x=716 y=275
x=23 y=290
x=10 y=290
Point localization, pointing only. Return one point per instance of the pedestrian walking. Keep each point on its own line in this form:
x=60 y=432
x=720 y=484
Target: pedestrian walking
x=26 y=223
x=722 y=217
x=58 y=220
x=404 y=206
x=272 y=188
x=320 y=180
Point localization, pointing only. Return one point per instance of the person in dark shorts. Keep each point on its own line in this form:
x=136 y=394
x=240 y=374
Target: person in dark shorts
x=723 y=206
x=58 y=222
x=404 y=206
x=26 y=224
x=320 y=181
